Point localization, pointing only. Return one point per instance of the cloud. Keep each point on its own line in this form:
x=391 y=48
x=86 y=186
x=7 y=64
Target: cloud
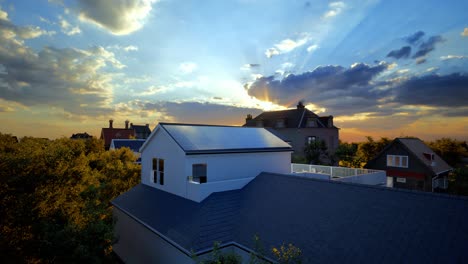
x=453 y=57
x=286 y=45
x=414 y=38
x=3 y=14
x=428 y=46
x=187 y=67
x=464 y=32
x=11 y=31
x=67 y=28
x=120 y=17
x=336 y=87
x=335 y=9
x=249 y=66
x=434 y=90
x=130 y=48
x=404 y=52
x=67 y=78
x=421 y=60
x=312 y=48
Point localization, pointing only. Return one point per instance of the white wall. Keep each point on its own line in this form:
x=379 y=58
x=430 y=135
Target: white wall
x=163 y=146
x=137 y=244
x=222 y=167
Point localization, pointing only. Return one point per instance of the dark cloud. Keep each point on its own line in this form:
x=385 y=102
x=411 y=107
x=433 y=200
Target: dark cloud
x=120 y=17
x=414 y=38
x=434 y=90
x=253 y=65
x=428 y=46
x=404 y=52
x=336 y=87
x=420 y=60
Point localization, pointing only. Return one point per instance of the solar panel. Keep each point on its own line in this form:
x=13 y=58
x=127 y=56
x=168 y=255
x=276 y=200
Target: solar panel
x=202 y=138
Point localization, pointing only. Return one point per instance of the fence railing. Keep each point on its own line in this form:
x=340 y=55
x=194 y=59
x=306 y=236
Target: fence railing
x=333 y=172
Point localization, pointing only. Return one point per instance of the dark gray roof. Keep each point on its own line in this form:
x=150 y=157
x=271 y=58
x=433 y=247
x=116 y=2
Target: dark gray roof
x=141 y=129
x=293 y=118
x=418 y=148
x=207 y=139
x=329 y=221
x=133 y=144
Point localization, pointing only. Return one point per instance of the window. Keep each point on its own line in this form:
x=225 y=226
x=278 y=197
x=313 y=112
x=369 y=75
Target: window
x=401 y=180
x=311 y=139
x=158 y=170
x=199 y=173
x=397 y=161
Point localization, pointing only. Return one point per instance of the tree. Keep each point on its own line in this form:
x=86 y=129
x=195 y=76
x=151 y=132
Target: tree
x=450 y=150
x=316 y=152
x=54 y=198
x=346 y=153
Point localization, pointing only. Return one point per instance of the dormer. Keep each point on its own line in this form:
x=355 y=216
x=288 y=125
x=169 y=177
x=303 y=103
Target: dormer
x=430 y=157
x=311 y=122
x=280 y=123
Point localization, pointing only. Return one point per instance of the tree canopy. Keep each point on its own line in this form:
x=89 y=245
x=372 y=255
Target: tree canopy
x=54 y=198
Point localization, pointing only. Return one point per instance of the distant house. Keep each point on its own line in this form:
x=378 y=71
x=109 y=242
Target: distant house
x=141 y=132
x=205 y=184
x=298 y=127
x=81 y=136
x=132 y=144
x=411 y=164
x=109 y=133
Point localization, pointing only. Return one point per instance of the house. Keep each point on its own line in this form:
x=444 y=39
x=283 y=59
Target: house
x=202 y=184
x=298 y=127
x=191 y=160
x=132 y=144
x=411 y=164
x=141 y=132
x=109 y=133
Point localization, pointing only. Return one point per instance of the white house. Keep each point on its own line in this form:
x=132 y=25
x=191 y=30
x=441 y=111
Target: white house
x=194 y=161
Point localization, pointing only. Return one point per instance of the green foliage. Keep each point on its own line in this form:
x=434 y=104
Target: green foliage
x=316 y=152
x=346 y=153
x=369 y=149
x=450 y=150
x=288 y=254
x=458 y=182
x=54 y=198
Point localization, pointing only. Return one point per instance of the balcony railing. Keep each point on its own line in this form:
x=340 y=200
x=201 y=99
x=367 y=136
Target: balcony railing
x=356 y=175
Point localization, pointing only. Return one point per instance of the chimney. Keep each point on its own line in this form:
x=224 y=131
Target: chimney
x=110 y=123
x=131 y=124
x=330 y=121
x=248 y=118
x=147 y=125
x=126 y=124
x=300 y=105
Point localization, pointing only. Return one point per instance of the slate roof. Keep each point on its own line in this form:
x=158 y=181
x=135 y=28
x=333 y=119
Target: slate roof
x=293 y=118
x=330 y=222
x=210 y=139
x=115 y=133
x=133 y=144
x=417 y=147
x=141 y=129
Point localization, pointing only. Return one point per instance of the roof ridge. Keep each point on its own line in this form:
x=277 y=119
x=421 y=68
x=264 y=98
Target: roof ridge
x=189 y=124
x=415 y=192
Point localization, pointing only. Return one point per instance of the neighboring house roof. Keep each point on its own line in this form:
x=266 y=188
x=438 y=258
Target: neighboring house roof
x=418 y=149
x=293 y=118
x=81 y=136
x=116 y=133
x=133 y=144
x=328 y=221
x=210 y=139
x=141 y=129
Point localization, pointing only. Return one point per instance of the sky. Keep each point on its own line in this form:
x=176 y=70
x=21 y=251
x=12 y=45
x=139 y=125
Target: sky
x=381 y=68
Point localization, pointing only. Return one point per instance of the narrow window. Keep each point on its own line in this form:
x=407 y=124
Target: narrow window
x=161 y=171
x=404 y=161
x=397 y=161
x=311 y=139
x=389 y=160
x=155 y=170
x=199 y=173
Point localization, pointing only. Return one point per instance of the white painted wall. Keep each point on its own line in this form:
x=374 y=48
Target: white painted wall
x=163 y=146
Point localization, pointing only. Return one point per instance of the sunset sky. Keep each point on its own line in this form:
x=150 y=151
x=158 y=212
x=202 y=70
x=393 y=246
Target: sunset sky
x=381 y=68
